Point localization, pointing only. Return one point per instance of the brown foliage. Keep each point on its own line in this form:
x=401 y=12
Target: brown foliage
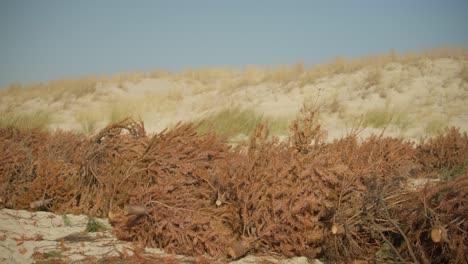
x=173 y=180
x=195 y=195
x=445 y=150
x=443 y=206
x=107 y=161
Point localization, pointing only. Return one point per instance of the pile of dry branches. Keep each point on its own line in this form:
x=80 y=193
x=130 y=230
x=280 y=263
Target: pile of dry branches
x=195 y=195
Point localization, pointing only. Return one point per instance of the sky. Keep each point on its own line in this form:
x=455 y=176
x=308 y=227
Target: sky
x=55 y=39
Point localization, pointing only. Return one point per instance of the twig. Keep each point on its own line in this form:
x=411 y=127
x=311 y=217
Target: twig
x=388 y=242
x=178 y=208
x=408 y=245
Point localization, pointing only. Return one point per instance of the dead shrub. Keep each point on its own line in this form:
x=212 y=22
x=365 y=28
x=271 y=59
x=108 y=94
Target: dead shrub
x=195 y=195
x=173 y=180
x=444 y=151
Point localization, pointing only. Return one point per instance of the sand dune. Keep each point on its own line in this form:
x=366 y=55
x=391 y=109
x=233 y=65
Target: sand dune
x=409 y=99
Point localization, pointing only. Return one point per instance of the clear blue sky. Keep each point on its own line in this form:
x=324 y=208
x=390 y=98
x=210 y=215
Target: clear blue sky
x=51 y=39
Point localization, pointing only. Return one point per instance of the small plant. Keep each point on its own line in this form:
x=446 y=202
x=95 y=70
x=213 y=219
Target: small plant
x=53 y=254
x=93 y=225
x=236 y=121
x=50 y=257
x=66 y=220
x=377 y=118
x=231 y=121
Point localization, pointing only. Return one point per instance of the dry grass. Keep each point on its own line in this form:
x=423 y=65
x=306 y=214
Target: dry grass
x=373 y=78
x=232 y=78
x=120 y=110
x=53 y=90
x=25 y=121
x=175 y=95
x=160 y=74
x=210 y=74
x=208 y=89
x=333 y=105
x=88 y=120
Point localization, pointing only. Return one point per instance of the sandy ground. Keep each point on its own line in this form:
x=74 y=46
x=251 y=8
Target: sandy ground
x=29 y=237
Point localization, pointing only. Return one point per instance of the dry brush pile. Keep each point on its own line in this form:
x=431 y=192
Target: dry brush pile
x=195 y=195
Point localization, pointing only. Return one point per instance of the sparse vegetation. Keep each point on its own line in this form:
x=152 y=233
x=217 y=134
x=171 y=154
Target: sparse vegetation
x=49 y=257
x=435 y=125
x=119 y=110
x=87 y=120
x=373 y=78
x=231 y=121
x=402 y=121
x=234 y=121
x=25 y=121
x=94 y=225
x=377 y=118
x=251 y=75
x=278 y=125
x=66 y=220
x=53 y=254
x=211 y=89
x=334 y=105
x=175 y=95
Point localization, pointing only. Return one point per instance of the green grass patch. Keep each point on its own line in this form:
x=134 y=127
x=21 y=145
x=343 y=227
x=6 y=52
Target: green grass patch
x=377 y=118
x=402 y=121
x=26 y=121
x=233 y=121
x=53 y=254
x=435 y=126
x=93 y=225
x=66 y=220
x=278 y=125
